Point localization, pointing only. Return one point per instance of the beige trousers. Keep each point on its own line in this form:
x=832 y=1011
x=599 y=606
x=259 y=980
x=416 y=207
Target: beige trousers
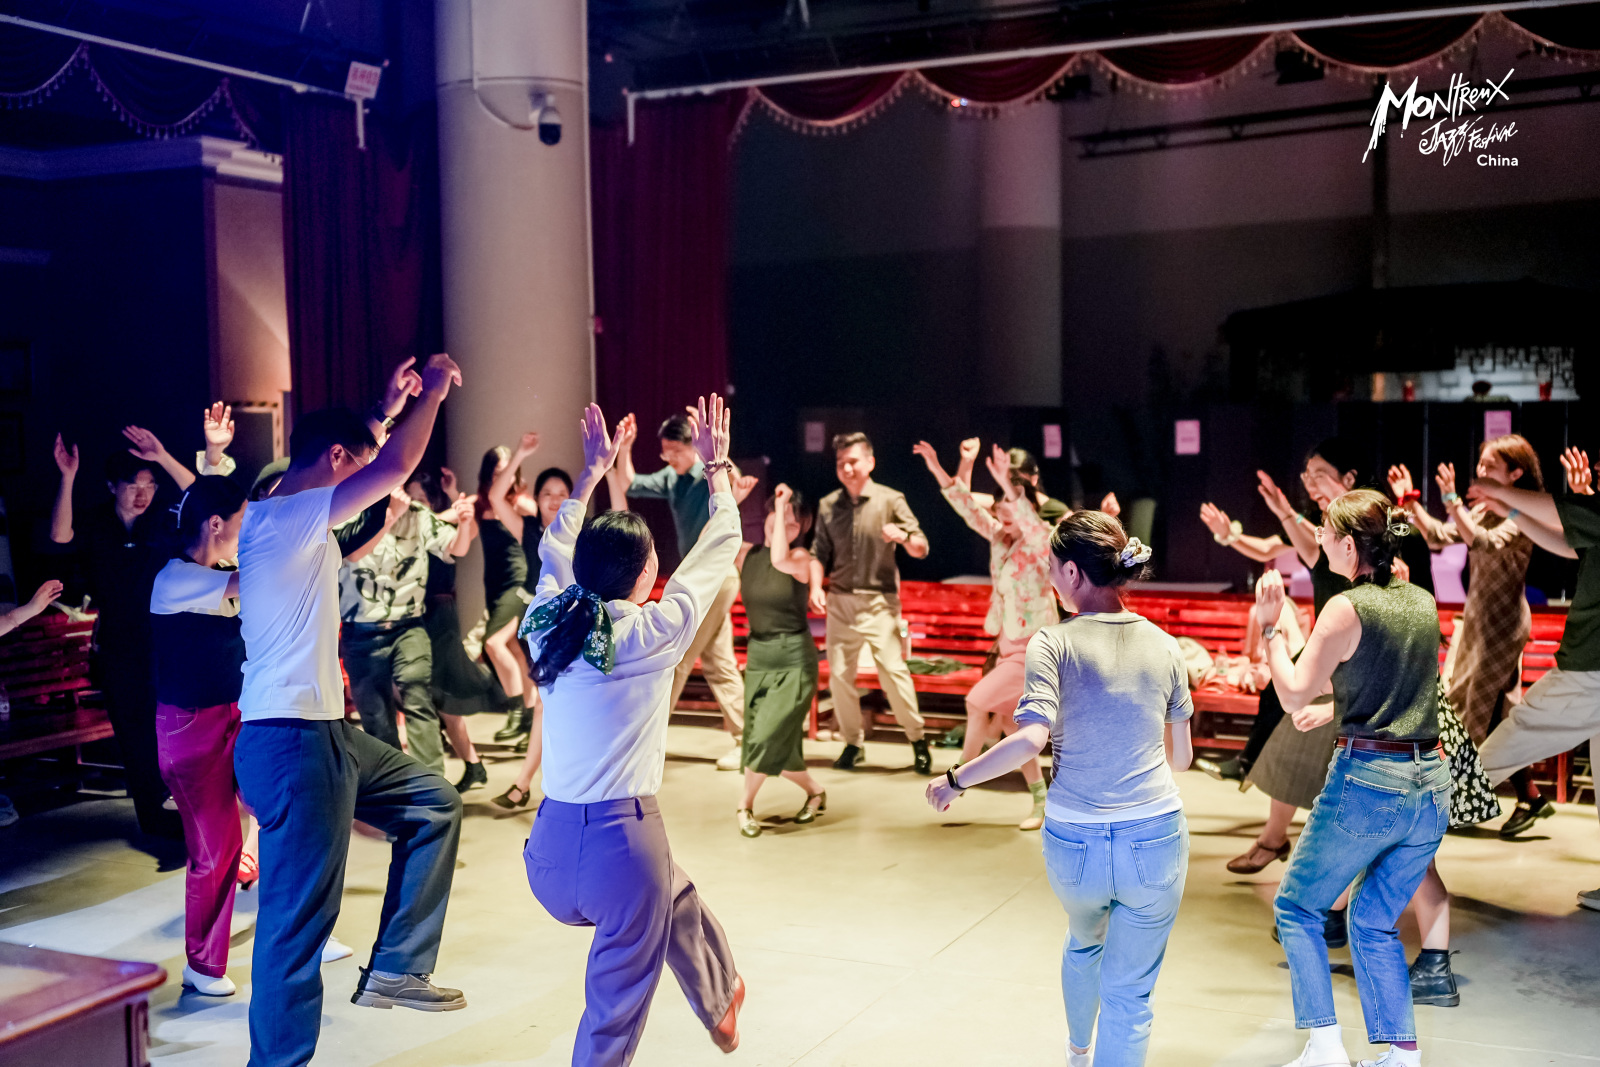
x=1559 y=712
x=713 y=647
x=873 y=620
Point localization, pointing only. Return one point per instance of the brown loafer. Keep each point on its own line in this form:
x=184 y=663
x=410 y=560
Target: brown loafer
x=1246 y=864
x=725 y=1035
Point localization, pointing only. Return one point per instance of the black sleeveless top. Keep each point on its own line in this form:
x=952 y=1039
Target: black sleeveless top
x=505 y=565
x=1389 y=688
x=774 y=602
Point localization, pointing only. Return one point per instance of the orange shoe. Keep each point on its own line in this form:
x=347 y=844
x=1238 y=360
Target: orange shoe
x=725 y=1035
x=249 y=870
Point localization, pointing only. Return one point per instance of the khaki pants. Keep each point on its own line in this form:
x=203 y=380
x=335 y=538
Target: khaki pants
x=713 y=647
x=1558 y=713
x=873 y=620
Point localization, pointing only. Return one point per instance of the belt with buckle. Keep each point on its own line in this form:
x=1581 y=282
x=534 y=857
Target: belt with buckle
x=1403 y=748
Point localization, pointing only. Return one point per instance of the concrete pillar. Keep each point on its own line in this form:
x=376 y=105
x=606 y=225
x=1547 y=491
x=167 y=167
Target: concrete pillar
x=1019 y=257
x=518 y=293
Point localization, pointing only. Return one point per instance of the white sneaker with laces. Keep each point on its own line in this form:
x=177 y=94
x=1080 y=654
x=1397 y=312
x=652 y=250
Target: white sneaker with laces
x=1321 y=1058
x=1079 y=1059
x=1590 y=900
x=207 y=986
x=335 y=949
x=732 y=759
x=1396 y=1057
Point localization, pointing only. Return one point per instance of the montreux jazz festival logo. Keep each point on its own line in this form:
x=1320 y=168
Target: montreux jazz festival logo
x=1458 y=128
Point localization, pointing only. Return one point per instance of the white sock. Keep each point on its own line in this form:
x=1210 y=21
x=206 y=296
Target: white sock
x=1325 y=1039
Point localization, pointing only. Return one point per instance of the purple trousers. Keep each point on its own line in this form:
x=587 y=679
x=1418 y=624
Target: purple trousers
x=608 y=865
x=195 y=748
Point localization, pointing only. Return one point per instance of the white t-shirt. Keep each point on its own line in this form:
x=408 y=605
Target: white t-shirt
x=289 y=609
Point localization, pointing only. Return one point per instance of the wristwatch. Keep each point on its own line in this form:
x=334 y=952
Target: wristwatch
x=1269 y=632
x=950 y=776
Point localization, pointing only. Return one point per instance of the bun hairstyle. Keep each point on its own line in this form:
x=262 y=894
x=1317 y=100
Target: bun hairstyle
x=804 y=514
x=211 y=494
x=1515 y=450
x=1377 y=527
x=1100 y=547
x=610 y=553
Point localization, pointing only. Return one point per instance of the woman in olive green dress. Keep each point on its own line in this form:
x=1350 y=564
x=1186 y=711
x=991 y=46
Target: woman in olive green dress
x=777 y=582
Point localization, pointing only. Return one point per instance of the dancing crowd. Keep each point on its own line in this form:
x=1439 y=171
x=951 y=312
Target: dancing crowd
x=229 y=623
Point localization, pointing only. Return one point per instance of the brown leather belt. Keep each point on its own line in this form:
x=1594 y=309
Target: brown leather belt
x=1403 y=748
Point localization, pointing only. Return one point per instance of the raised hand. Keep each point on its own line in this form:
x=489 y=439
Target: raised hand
x=1399 y=481
x=529 y=444
x=437 y=377
x=709 y=424
x=1111 y=505
x=781 y=495
x=970 y=448
x=404 y=382
x=1216 y=520
x=146 y=445
x=998 y=465
x=461 y=509
x=66 y=458
x=627 y=430
x=217 y=424
x=44 y=595
x=1446 y=478
x=743 y=486
x=1269 y=598
x=599 y=450
x=399 y=504
x=1277 y=503
x=930 y=457
x=447 y=482
x=1580 y=475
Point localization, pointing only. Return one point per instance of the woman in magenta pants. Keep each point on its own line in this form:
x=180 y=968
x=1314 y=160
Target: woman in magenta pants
x=194 y=621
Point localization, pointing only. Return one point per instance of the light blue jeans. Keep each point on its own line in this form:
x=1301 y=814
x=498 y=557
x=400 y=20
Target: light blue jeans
x=1376 y=824
x=1121 y=884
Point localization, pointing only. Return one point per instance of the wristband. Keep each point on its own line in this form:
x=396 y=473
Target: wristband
x=950 y=776
x=1235 y=531
x=710 y=469
x=1296 y=516
x=1412 y=496
x=377 y=415
x=1452 y=498
x=1513 y=513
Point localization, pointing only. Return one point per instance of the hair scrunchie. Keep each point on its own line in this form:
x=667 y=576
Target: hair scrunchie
x=599 y=644
x=1134 y=553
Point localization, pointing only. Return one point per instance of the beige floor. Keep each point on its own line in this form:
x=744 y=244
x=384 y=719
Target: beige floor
x=884 y=934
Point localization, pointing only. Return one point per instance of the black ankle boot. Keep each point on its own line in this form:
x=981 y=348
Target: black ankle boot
x=848 y=759
x=1432 y=981
x=923 y=761
x=473 y=777
x=519 y=721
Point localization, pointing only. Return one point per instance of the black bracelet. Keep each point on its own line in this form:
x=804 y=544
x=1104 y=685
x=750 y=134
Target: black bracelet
x=950 y=776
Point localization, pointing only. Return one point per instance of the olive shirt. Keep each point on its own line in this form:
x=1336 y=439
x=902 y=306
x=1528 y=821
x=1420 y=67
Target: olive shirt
x=849 y=539
x=1389 y=687
x=1580 y=641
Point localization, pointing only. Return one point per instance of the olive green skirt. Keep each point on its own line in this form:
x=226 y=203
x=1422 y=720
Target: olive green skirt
x=780 y=680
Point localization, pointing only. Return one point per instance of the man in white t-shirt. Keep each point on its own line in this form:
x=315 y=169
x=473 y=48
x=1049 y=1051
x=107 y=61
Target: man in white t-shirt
x=302 y=769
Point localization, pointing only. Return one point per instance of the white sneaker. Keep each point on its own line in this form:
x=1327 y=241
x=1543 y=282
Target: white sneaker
x=207 y=986
x=1396 y=1057
x=731 y=760
x=169 y=804
x=1326 y=1058
x=1590 y=899
x=1079 y=1059
x=335 y=949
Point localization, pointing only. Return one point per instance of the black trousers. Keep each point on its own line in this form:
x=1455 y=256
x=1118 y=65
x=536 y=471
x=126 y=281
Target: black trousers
x=384 y=659
x=130 y=692
x=1268 y=714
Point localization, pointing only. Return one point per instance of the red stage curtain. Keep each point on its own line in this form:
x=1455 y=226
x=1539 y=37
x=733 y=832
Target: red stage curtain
x=361 y=250
x=832 y=99
x=1388 y=44
x=660 y=256
x=1576 y=27
x=1001 y=82
x=1183 y=62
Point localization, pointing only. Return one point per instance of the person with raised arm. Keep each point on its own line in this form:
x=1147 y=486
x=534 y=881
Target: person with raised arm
x=1562 y=709
x=502 y=507
x=682 y=484
x=778 y=580
x=859 y=528
x=603 y=657
x=302 y=769
x=1021 y=604
x=1385 y=803
x=1108 y=690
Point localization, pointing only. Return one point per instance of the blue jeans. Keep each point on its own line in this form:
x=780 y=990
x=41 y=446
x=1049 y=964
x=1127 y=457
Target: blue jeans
x=1374 y=828
x=1121 y=884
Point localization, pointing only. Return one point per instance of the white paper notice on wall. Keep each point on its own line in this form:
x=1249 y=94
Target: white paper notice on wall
x=1052 y=440
x=361 y=81
x=1496 y=424
x=1186 y=437
x=816 y=437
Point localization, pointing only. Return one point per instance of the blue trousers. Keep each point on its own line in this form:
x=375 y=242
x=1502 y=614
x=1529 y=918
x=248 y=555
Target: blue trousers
x=306 y=780
x=1121 y=884
x=1376 y=824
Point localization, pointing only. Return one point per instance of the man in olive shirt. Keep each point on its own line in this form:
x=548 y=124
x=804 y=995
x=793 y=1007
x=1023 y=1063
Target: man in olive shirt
x=1562 y=709
x=858 y=529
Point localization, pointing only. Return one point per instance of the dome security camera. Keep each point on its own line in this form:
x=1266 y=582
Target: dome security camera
x=546 y=118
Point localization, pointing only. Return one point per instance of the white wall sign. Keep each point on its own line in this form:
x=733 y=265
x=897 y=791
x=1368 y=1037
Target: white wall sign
x=1052 y=440
x=816 y=437
x=1496 y=424
x=361 y=83
x=1186 y=437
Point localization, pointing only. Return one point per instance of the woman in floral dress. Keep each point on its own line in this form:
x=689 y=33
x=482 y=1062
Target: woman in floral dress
x=1022 y=603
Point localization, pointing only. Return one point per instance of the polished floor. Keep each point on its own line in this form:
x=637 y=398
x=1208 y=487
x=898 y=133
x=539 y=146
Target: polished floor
x=883 y=934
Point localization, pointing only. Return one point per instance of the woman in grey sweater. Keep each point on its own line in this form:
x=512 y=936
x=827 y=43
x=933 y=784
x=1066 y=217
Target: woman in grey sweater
x=1107 y=688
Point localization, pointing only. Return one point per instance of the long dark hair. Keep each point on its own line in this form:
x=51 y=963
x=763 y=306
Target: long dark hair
x=486 y=471
x=211 y=494
x=804 y=514
x=1377 y=527
x=1094 y=541
x=610 y=554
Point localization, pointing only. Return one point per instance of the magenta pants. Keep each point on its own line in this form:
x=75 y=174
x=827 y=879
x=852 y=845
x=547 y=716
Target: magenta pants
x=195 y=746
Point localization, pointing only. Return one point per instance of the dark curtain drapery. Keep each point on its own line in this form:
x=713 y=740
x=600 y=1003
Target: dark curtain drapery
x=30 y=62
x=1183 y=62
x=361 y=246
x=154 y=94
x=1388 y=44
x=832 y=100
x=660 y=256
x=1576 y=27
x=1004 y=82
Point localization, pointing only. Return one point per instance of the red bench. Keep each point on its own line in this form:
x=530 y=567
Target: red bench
x=44 y=666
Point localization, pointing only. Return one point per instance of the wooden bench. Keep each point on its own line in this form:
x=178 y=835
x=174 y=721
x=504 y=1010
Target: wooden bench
x=44 y=666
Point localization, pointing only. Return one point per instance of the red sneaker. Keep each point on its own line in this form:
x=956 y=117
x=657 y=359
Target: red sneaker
x=725 y=1035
